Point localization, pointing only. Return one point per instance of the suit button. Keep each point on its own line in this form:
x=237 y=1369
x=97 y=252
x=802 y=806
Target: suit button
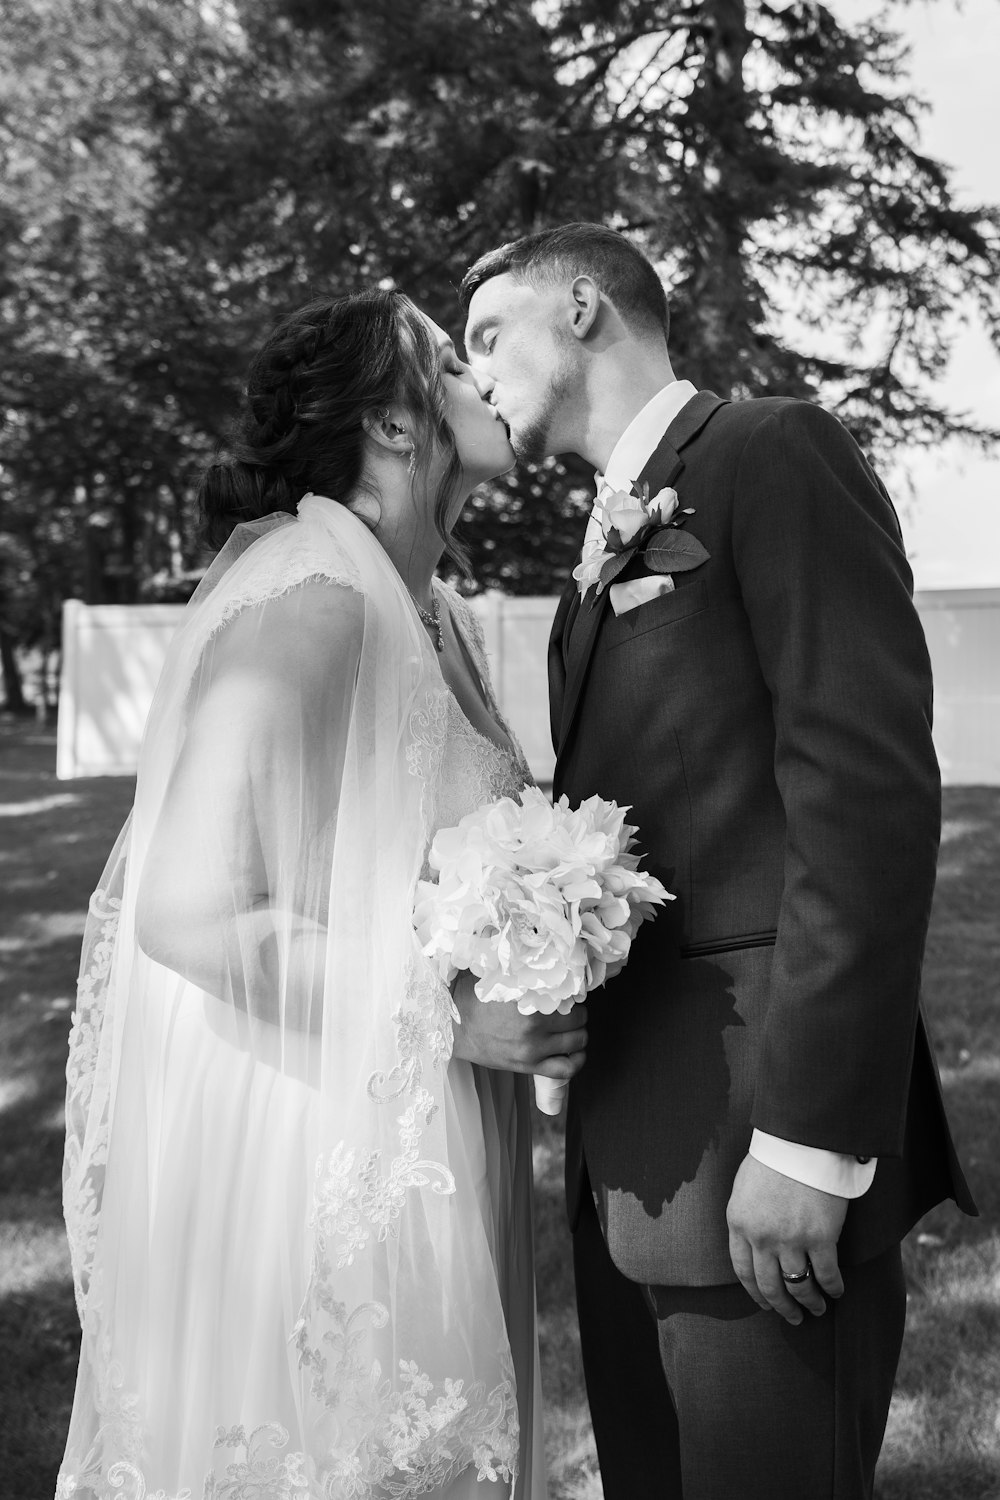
x=862 y=1161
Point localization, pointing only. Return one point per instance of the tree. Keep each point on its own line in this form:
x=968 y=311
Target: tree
x=96 y=454
x=766 y=157
x=226 y=160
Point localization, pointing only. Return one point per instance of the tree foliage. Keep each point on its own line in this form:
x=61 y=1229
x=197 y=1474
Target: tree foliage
x=180 y=174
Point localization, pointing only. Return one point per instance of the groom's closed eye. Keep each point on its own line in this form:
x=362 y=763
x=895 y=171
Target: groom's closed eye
x=481 y=337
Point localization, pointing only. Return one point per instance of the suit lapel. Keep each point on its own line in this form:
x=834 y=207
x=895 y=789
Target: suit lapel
x=566 y=610
x=661 y=469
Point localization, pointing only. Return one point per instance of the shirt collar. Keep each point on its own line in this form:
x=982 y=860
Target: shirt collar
x=638 y=442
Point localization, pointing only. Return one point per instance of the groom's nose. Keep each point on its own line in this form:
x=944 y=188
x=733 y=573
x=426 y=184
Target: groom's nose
x=484 y=384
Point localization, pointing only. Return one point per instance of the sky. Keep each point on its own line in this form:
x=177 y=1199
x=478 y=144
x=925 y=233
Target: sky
x=951 y=524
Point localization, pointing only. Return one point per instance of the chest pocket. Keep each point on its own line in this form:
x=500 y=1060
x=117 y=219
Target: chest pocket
x=656 y=614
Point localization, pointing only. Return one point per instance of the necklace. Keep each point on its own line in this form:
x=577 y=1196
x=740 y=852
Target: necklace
x=432 y=619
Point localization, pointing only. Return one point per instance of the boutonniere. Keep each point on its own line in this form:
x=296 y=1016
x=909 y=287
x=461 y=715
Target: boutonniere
x=631 y=522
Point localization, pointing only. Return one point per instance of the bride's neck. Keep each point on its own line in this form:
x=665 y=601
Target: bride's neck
x=413 y=546
x=405 y=528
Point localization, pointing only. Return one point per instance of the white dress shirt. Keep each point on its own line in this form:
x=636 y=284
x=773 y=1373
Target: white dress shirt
x=628 y=458
x=845 y=1176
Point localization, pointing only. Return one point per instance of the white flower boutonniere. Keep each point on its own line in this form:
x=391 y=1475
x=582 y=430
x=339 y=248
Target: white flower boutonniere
x=634 y=523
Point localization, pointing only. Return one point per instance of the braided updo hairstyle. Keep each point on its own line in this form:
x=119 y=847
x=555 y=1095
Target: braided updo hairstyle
x=318 y=374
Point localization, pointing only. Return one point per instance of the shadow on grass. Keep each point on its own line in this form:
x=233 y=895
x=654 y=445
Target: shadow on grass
x=952 y=1479
x=943 y=1441
x=54 y=840
x=40 y=1337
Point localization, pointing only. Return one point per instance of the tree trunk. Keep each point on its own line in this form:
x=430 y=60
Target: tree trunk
x=14 y=699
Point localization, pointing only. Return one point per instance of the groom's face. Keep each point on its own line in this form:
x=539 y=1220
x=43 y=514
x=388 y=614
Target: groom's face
x=524 y=358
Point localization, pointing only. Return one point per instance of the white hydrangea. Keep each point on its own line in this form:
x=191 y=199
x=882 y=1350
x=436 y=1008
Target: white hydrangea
x=539 y=901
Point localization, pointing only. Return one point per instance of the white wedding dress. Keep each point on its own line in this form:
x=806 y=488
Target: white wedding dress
x=300 y=1228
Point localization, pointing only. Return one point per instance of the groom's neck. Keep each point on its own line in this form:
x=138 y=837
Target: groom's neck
x=620 y=382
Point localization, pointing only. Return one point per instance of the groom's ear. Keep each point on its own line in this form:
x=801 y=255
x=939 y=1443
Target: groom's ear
x=585 y=306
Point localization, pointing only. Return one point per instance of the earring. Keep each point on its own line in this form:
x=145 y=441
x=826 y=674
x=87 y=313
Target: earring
x=411 y=467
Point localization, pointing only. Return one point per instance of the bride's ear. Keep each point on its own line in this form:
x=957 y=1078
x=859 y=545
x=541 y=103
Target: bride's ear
x=387 y=427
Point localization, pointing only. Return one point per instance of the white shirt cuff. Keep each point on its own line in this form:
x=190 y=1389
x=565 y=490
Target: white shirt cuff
x=844 y=1176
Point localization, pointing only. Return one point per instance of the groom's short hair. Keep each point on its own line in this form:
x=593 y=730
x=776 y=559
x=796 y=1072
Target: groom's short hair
x=620 y=271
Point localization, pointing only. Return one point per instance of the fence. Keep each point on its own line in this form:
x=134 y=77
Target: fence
x=112 y=655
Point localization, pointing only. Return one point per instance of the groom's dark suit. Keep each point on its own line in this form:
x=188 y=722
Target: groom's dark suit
x=769 y=723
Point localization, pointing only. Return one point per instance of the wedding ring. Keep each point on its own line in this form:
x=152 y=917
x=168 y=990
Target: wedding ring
x=792 y=1277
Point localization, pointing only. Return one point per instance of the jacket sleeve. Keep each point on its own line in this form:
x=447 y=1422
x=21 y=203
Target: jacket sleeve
x=828 y=593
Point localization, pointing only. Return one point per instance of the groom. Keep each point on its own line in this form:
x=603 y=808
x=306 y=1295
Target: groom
x=758 y=1121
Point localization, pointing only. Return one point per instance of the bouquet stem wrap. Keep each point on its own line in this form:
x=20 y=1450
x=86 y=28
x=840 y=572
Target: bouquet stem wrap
x=541 y=902
x=550 y=1094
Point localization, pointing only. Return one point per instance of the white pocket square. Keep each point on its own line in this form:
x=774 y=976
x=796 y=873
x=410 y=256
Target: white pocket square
x=626 y=596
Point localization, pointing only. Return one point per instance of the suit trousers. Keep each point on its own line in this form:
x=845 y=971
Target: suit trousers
x=697 y=1394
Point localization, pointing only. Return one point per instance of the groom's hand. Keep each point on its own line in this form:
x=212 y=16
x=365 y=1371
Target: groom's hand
x=496 y=1035
x=777 y=1224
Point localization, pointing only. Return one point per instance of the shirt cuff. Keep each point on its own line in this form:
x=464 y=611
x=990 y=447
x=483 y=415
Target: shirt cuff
x=844 y=1176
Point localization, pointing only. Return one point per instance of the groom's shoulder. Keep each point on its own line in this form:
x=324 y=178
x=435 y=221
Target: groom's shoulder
x=741 y=417
x=762 y=423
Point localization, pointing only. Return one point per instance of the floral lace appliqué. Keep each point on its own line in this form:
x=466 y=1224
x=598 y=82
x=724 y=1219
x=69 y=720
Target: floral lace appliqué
x=298 y=564
x=259 y=1472
x=417 y=1435
x=255 y=1469
x=356 y=1199
x=87 y=1070
x=424 y=1034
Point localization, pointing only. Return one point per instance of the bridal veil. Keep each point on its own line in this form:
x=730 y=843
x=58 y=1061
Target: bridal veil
x=283 y=1279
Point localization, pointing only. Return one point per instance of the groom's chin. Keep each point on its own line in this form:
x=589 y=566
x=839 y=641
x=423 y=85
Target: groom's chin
x=530 y=446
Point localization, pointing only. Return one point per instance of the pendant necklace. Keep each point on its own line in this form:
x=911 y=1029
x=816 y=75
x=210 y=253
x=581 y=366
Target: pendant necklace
x=432 y=619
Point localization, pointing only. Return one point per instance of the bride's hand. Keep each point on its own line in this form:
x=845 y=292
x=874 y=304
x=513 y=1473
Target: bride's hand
x=496 y=1035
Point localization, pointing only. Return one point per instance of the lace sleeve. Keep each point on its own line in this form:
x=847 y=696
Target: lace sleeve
x=266 y=577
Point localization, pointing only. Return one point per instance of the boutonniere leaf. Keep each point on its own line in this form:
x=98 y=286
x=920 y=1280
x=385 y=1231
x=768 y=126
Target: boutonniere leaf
x=674 y=551
x=614 y=566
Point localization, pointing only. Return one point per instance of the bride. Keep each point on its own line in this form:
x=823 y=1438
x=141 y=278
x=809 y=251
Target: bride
x=298 y=1204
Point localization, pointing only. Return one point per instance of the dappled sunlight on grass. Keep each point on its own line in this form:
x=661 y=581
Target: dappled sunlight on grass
x=972 y=1070
x=32 y=1255
x=943 y=1439
x=36 y=930
x=16 y=1091
x=572 y=1457
x=38 y=805
x=958 y=828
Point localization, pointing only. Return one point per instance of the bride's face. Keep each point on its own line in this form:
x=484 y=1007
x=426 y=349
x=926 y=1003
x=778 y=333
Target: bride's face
x=480 y=436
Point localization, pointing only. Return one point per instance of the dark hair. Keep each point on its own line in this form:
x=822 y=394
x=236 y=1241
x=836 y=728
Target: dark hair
x=319 y=373
x=617 y=268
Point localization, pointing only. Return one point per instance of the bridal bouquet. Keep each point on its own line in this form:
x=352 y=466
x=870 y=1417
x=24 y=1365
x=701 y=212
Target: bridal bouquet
x=540 y=902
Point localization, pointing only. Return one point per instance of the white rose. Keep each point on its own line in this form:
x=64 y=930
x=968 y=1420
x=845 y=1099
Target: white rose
x=625 y=513
x=588 y=569
x=662 y=506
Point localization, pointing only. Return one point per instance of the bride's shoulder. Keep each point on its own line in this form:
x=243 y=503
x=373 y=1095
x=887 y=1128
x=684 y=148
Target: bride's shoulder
x=301 y=633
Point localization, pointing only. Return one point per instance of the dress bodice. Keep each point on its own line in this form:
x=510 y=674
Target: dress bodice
x=475 y=769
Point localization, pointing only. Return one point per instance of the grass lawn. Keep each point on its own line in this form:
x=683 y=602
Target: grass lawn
x=943 y=1441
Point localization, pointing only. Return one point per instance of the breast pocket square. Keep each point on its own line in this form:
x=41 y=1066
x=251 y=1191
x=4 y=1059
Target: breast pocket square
x=626 y=596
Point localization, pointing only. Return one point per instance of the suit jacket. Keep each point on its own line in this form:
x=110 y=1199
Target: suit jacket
x=769 y=723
